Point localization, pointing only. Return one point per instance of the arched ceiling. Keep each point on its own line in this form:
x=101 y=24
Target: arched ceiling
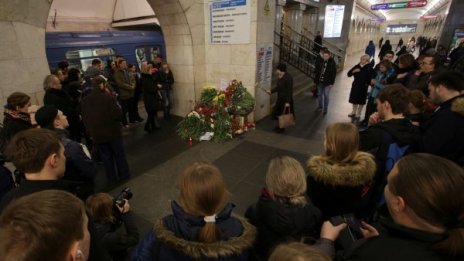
x=406 y=13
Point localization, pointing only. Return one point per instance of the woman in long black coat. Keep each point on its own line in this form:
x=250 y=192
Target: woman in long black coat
x=151 y=97
x=284 y=89
x=362 y=73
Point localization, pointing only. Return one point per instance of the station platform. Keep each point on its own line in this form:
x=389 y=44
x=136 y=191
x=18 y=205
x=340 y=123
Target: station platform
x=157 y=159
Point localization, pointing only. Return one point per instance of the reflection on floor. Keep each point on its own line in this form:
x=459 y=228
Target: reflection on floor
x=156 y=159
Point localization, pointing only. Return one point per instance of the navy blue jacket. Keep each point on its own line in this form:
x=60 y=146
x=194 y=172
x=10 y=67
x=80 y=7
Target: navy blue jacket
x=175 y=237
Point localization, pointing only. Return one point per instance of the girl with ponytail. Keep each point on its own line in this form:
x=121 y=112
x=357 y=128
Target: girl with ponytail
x=283 y=212
x=202 y=226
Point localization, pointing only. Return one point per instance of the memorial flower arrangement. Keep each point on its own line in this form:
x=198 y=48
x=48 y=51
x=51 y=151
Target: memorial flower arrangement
x=217 y=115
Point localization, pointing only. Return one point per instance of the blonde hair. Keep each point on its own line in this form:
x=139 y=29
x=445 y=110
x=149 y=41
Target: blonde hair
x=100 y=207
x=341 y=142
x=297 y=251
x=286 y=180
x=146 y=69
x=203 y=193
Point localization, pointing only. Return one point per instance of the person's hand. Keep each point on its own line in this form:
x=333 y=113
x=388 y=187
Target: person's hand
x=287 y=104
x=125 y=208
x=356 y=70
x=368 y=230
x=374 y=118
x=269 y=92
x=401 y=75
x=331 y=232
x=373 y=82
x=418 y=72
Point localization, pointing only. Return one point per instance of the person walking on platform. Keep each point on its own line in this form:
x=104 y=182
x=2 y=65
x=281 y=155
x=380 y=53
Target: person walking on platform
x=383 y=50
x=317 y=42
x=400 y=44
x=380 y=42
x=284 y=89
x=370 y=49
x=326 y=72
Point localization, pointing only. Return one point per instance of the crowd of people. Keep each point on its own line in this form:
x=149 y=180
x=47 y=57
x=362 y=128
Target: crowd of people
x=386 y=190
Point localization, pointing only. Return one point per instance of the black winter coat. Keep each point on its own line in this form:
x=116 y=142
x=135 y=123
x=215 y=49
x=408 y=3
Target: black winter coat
x=151 y=97
x=284 y=89
x=63 y=102
x=442 y=133
x=336 y=188
x=330 y=71
x=278 y=222
x=12 y=124
x=166 y=79
x=102 y=116
x=175 y=237
x=362 y=79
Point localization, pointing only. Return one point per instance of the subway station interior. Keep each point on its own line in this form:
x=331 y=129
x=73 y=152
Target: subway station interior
x=210 y=43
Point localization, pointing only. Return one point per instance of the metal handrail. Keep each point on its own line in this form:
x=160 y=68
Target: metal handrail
x=325 y=43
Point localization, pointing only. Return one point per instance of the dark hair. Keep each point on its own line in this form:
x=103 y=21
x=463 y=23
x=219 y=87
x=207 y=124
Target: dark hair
x=432 y=188
x=121 y=61
x=29 y=149
x=371 y=42
x=390 y=52
x=417 y=99
x=63 y=65
x=407 y=60
x=17 y=99
x=96 y=61
x=55 y=71
x=96 y=81
x=450 y=80
x=100 y=208
x=326 y=51
x=386 y=63
x=41 y=226
x=397 y=96
x=282 y=67
x=434 y=58
x=130 y=66
x=119 y=56
x=73 y=74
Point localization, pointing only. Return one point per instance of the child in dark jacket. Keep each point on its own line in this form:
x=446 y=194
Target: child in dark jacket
x=283 y=212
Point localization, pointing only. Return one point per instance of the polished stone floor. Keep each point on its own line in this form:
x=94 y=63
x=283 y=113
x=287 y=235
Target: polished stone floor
x=156 y=159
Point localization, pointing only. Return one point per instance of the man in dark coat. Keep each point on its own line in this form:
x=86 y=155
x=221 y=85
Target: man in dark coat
x=442 y=134
x=102 y=118
x=284 y=89
x=317 y=42
x=326 y=71
x=386 y=47
x=55 y=95
x=39 y=155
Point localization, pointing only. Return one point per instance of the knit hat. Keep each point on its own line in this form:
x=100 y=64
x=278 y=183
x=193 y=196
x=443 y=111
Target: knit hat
x=46 y=115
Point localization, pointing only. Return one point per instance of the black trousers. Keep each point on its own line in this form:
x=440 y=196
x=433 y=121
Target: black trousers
x=127 y=107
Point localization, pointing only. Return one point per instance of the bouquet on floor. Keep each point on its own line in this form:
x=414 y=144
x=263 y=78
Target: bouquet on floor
x=214 y=117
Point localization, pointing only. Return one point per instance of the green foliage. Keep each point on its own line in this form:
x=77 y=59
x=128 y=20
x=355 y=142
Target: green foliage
x=207 y=95
x=242 y=100
x=222 y=126
x=192 y=126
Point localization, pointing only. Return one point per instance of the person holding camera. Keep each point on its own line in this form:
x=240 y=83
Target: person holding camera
x=109 y=215
x=425 y=200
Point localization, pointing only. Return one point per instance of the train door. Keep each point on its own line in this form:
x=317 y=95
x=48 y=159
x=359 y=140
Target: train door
x=146 y=53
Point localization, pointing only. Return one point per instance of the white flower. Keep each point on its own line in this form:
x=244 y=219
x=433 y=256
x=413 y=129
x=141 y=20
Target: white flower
x=212 y=126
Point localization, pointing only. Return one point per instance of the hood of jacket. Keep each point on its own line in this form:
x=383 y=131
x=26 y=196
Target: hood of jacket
x=402 y=130
x=357 y=173
x=457 y=105
x=223 y=248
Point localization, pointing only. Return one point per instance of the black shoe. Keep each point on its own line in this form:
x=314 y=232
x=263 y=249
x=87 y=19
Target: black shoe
x=318 y=109
x=279 y=130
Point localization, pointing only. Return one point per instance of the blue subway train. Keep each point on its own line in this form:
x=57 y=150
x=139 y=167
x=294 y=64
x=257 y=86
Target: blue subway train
x=80 y=48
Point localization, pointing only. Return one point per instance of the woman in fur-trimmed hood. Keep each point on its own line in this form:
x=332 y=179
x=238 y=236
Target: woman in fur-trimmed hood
x=336 y=180
x=201 y=226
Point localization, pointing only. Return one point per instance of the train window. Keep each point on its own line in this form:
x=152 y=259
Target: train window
x=146 y=53
x=83 y=58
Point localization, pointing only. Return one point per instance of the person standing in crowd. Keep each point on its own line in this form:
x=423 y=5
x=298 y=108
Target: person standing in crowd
x=337 y=178
x=79 y=166
x=64 y=67
x=416 y=109
x=102 y=118
x=284 y=89
x=317 y=42
x=15 y=117
x=362 y=73
x=47 y=225
x=425 y=202
x=137 y=91
x=401 y=52
x=166 y=79
x=400 y=44
x=101 y=207
x=386 y=47
x=370 y=49
x=55 y=95
x=411 y=47
x=380 y=42
x=442 y=133
x=151 y=98
x=427 y=68
x=407 y=66
x=284 y=197
x=202 y=226
x=125 y=86
x=326 y=71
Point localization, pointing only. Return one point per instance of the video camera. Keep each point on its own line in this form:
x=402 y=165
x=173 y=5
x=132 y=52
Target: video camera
x=126 y=193
x=351 y=233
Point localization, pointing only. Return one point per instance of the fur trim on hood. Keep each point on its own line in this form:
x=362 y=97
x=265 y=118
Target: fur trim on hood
x=358 y=173
x=458 y=105
x=233 y=246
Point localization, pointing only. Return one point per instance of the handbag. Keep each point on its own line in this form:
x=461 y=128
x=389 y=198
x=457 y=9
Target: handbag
x=286 y=119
